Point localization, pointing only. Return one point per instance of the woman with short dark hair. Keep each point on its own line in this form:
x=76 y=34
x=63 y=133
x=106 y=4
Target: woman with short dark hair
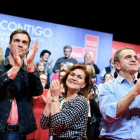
x=67 y=117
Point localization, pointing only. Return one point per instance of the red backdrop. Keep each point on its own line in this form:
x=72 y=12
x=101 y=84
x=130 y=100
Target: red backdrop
x=116 y=45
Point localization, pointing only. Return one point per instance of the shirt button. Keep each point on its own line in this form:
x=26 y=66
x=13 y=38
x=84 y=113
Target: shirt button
x=5 y=79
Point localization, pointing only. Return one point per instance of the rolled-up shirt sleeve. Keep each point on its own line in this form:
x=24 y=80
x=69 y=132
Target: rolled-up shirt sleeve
x=108 y=103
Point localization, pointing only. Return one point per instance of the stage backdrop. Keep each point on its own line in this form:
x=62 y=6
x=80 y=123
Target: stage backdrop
x=117 y=45
x=54 y=37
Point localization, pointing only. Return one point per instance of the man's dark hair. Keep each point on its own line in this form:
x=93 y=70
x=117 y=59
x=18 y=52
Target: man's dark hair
x=19 y=31
x=43 y=52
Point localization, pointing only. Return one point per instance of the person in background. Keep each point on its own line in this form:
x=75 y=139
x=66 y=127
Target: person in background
x=61 y=74
x=19 y=82
x=7 y=51
x=62 y=66
x=91 y=69
x=107 y=77
x=138 y=72
x=39 y=103
x=119 y=100
x=94 y=115
x=67 y=118
x=67 y=58
x=88 y=60
x=1 y=53
x=110 y=69
x=44 y=56
x=41 y=67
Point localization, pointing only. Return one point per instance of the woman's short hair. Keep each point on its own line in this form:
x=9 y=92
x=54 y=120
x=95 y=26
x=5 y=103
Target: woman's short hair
x=45 y=51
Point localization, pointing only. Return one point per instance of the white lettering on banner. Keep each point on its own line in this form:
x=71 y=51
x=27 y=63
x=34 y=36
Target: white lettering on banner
x=78 y=55
x=40 y=39
x=4 y=33
x=11 y=26
x=91 y=43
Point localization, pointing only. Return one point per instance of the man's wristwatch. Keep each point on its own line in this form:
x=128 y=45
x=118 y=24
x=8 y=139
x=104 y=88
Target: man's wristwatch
x=55 y=100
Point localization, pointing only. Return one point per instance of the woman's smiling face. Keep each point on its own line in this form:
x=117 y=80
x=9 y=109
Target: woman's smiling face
x=76 y=80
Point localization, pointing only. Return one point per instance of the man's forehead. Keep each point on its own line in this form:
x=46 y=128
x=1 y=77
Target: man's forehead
x=128 y=52
x=22 y=37
x=67 y=50
x=88 y=55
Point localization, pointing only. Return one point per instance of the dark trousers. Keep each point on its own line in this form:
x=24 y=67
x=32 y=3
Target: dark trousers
x=92 y=130
x=11 y=133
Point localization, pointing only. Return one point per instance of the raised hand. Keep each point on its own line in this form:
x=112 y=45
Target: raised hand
x=49 y=98
x=51 y=60
x=14 y=54
x=55 y=88
x=137 y=87
x=32 y=53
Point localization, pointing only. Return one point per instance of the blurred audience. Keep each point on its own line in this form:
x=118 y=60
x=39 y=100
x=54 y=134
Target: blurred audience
x=61 y=74
x=1 y=53
x=41 y=66
x=138 y=72
x=39 y=103
x=88 y=60
x=94 y=115
x=67 y=58
x=44 y=56
x=107 y=77
x=62 y=66
x=110 y=69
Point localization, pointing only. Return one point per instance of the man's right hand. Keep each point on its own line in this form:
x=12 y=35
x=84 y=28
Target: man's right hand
x=14 y=53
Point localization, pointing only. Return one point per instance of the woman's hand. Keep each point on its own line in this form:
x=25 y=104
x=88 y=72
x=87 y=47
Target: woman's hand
x=49 y=98
x=56 y=88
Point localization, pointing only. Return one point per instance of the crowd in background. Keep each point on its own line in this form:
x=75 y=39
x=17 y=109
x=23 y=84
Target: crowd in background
x=63 y=63
x=90 y=115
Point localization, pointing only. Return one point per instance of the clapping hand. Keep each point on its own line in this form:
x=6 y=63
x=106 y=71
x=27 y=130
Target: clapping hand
x=50 y=61
x=32 y=53
x=56 y=88
x=49 y=98
x=14 y=54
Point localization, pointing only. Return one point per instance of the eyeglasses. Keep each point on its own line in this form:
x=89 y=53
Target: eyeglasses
x=43 y=79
